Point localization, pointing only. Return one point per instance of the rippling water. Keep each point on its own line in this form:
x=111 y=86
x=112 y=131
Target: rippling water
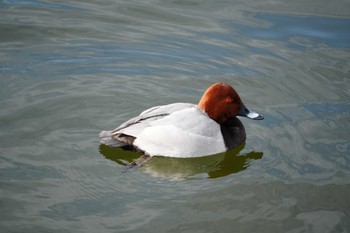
x=70 y=69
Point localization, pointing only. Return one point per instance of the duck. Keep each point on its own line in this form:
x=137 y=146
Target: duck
x=186 y=130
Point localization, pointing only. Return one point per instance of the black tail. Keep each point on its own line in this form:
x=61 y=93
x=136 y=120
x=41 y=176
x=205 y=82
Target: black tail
x=106 y=139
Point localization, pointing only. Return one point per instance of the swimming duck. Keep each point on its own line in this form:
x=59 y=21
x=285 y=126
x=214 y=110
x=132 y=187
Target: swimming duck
x=185 y=130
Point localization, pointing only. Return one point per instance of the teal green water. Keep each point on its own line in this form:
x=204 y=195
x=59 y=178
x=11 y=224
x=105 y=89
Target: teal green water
x=69 y=69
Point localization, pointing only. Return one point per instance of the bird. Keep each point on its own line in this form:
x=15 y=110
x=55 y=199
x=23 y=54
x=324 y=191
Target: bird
x=186 y=130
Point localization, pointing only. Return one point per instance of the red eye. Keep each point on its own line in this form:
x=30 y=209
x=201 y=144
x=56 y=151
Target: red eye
x=228 y=99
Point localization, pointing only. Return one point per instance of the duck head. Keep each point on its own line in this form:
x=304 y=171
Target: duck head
x=221 y=102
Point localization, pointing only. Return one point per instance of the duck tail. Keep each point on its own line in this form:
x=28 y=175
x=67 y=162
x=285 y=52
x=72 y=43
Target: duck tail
x=107 y=139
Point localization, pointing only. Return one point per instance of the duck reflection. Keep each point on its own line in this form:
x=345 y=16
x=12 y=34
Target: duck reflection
x=214 y=166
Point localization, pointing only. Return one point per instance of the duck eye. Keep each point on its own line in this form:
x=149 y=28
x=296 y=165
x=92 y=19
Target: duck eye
x=229 y=99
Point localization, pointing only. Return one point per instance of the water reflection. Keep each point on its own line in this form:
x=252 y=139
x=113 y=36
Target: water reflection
x=214 y=166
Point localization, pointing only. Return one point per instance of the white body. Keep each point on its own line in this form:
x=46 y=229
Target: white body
x=176 y=130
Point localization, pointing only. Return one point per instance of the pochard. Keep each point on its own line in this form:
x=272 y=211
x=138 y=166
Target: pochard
x=185 y=130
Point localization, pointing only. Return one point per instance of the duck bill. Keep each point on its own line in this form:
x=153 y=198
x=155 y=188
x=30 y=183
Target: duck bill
x=245 y=112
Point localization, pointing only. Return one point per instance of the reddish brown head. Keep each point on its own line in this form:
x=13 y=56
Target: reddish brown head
x=221 y=102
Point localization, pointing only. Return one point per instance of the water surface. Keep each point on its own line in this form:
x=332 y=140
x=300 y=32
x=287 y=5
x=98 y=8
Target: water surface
x=70 y=69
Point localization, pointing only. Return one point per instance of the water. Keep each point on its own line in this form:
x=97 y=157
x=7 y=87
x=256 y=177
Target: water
x=70 y=69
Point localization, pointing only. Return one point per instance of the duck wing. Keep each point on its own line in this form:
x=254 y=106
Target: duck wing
x=126 y=133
